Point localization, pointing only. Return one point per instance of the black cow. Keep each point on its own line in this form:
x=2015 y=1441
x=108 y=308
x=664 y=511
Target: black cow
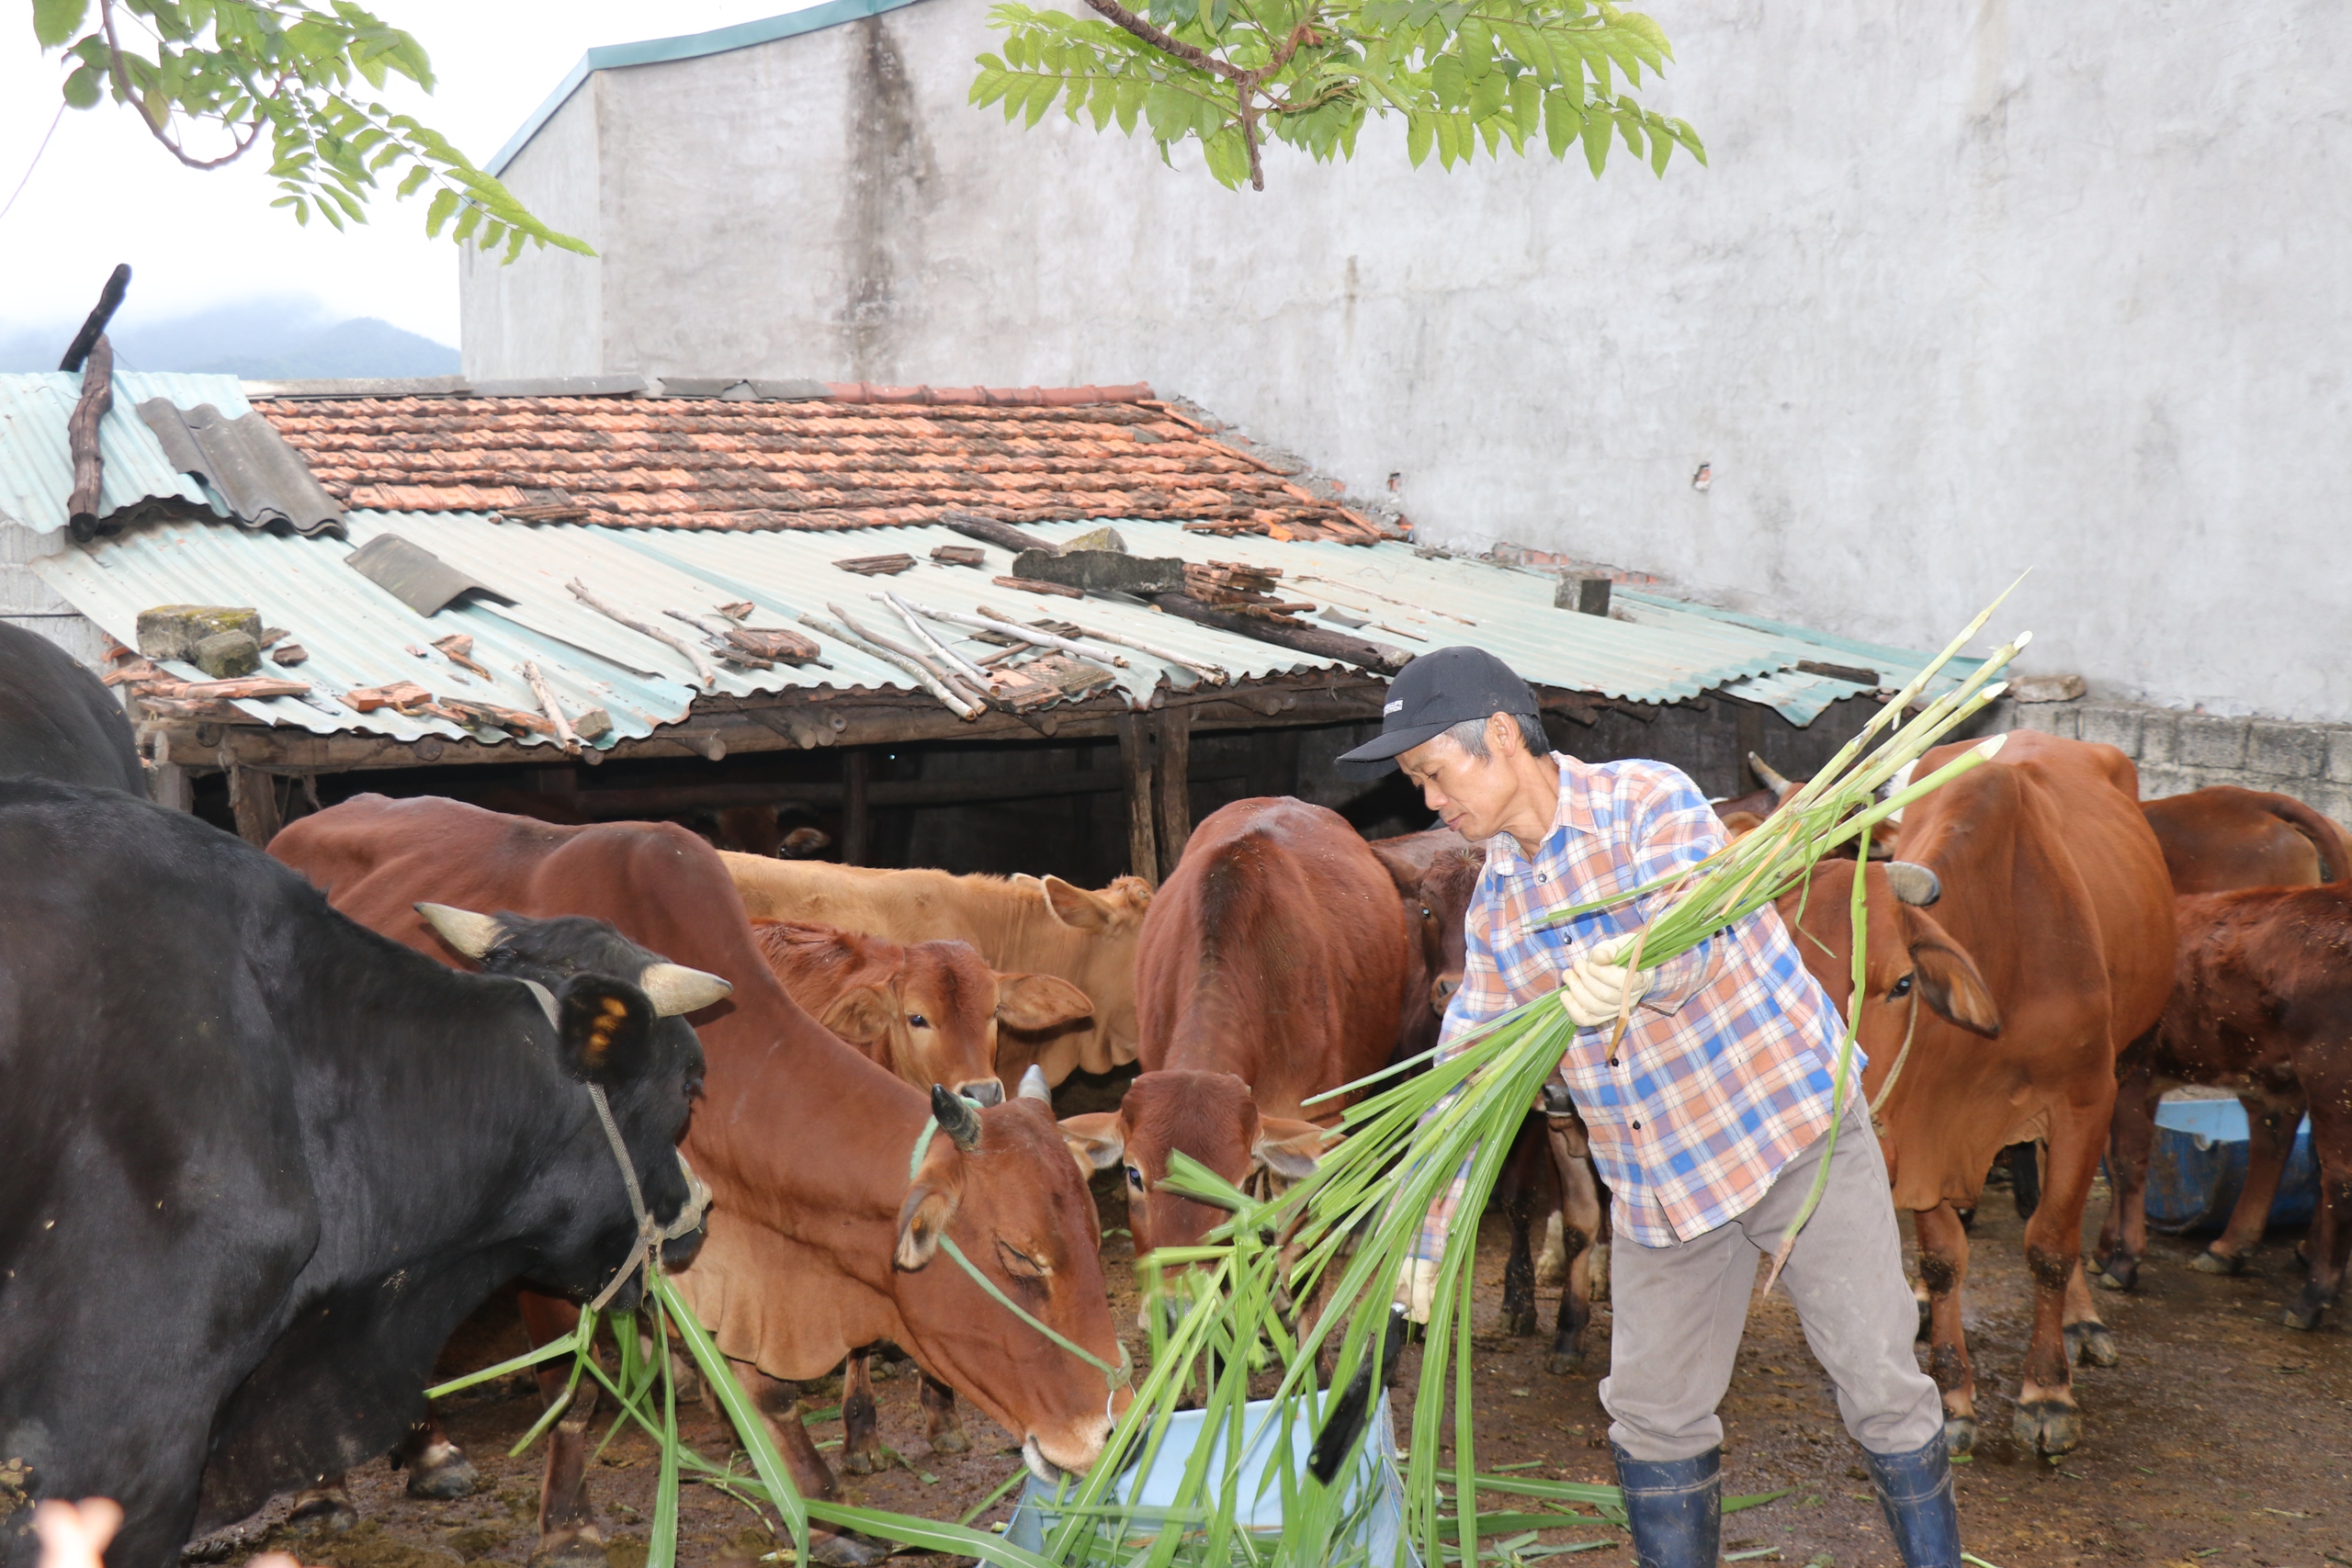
x=58 y=722
x=260 y=1161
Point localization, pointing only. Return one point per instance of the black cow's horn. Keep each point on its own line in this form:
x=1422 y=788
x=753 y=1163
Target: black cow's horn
x=956 y=1119
x=1914 y=883
x=673 y=988
x=1778 y=787
x=1034 y=1085
x=469 y=933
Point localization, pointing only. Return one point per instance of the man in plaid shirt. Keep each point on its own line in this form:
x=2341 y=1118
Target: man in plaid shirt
x=1707 y=1117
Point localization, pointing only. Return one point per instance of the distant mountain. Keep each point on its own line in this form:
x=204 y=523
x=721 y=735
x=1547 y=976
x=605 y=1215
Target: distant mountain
x=275 y=340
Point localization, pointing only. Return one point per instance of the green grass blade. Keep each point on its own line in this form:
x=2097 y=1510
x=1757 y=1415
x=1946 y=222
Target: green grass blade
x=749 y=1429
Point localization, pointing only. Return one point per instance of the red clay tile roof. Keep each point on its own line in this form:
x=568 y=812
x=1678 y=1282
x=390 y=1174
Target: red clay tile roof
x=864 y=456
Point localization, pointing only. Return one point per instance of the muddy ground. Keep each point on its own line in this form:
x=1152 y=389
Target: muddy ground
x=2223 y=1437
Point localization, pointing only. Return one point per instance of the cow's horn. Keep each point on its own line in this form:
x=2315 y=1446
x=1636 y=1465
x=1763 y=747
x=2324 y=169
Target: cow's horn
x=469 y=933
x=1034 y=1085
x=673 y=988
x=956 y=1117
x=1914 y=883
x=1778 y=787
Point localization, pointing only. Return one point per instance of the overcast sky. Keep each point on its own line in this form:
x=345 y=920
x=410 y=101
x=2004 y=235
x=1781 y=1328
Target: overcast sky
x=105 y=192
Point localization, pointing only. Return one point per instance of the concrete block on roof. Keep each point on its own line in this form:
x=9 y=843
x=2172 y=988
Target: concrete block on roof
x=2339 y=756
x=176 y=631
x=2111 y=724
x=2290 y=751
x=224 y=655
x=2208 y=740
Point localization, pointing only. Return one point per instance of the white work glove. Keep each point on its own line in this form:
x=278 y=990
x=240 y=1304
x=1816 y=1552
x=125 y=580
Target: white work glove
x=1596 y=989
x=1416 y=1287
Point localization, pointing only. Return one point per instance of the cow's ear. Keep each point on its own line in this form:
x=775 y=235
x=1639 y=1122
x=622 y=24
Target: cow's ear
x=923 y=1218
x=1401 y=870
x=1097 y=1140
x=1290 y=1149
x=1039 y=1001
x=1949 y=982
x=1076 y=908
x=604 y=1029
x=861 y=1015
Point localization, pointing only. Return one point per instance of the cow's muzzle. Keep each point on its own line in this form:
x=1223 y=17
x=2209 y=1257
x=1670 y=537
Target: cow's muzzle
x=982 y=1091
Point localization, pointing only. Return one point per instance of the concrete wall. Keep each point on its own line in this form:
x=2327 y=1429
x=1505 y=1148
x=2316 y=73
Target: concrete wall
x=1969 y=287
x=26 y=601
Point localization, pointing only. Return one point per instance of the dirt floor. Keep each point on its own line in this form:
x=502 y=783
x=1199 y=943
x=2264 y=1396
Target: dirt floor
x=2222 y=1437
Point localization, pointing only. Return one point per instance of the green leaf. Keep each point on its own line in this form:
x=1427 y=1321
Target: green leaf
x=413 y=180
x=84 y=86
x=1487 y=93
x=1596 y=140
x=444 y=202
x=56 y=21
x=1450 y=79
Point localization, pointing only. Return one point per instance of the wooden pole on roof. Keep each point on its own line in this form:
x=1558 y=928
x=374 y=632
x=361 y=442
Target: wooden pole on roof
x=1175 y=787
x=1138 y=748
x=94 y=356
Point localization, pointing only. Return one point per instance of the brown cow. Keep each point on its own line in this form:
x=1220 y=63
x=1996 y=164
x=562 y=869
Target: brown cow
x=927 y=1011
x=2221 y=839
x=2049 y=950
x=821 y=1240
x=2262 y=1003
x=1042 y=924
x=1435 y=872
x=1273 y=965
x=2215 y=840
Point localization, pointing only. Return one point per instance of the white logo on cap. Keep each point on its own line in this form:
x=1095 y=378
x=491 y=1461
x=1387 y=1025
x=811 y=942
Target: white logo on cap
x=1391 y=707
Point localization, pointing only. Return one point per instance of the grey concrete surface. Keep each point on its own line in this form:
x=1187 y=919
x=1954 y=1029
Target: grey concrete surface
x=1969 y=287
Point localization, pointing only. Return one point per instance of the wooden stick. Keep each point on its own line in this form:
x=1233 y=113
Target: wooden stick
x=988 y=623
x=1380 y=658
x=82 y=437
x=254 y=686
x=548 y=706
x=956 y=704
x=922 y=660
x=703 y=668
x=1210 y=674
x=923 y=636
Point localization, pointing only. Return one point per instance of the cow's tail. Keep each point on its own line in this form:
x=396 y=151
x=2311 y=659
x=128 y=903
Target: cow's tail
x=2328 y=839
x=1346 y=1422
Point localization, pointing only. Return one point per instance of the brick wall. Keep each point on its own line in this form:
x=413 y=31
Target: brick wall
x=2179 y=751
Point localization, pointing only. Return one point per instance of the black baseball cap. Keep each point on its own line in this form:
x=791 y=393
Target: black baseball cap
x=1433 y=694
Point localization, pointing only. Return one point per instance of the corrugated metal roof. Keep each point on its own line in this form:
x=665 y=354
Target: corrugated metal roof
x=358 y=634
x=37 y=462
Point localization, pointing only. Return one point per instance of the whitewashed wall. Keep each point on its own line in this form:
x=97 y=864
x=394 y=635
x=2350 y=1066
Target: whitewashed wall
x=1970 y=287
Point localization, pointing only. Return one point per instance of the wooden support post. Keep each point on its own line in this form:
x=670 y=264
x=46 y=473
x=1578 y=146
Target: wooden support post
x=1139 y=753
x=858 y=817
x=253 y=800
x=83 y=507
x=1175 y=786
x=168 y=786
x=1282 y=762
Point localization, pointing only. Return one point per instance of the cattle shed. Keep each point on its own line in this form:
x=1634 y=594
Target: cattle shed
x=457 y=565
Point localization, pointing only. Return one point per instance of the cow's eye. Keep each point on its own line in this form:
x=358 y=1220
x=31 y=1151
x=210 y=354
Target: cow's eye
x=917 y=1021
x=1900 y=989
x=1019 y=1263
x=1135 y=1177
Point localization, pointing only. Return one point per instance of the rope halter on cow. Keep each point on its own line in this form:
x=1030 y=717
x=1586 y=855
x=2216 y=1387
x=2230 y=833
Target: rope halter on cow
x=961 y=1120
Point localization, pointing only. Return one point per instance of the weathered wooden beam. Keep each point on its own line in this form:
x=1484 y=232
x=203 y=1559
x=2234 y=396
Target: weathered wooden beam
x=94 y=326
x=82 y=511
x=1378 y=657
x=252 y=801
x=1138 y=743
x=1172 y=787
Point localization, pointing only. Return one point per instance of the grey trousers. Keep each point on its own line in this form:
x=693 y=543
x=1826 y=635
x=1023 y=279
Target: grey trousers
x=1677 y=1312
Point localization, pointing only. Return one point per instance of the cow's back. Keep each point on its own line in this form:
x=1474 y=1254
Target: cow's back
x=2221 y=838
x=1277 y=949
x=58 y=721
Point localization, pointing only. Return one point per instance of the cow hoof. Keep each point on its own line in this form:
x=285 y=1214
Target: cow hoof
x=2210 y=1261
x=324 y=1513
x=1564 y=1364
x=858 y=1463
x=845 y=1551
x=2303 y=1313
x=2090 y=1344
x=2048 y=1426
x=2116 y=1272
x=1519 y=1322
x=951 y=1441
x=581 y=1548
x=1959 y=1435
x=449 y=1477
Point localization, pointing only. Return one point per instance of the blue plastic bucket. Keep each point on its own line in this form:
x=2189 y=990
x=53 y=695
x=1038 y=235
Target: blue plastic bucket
x=1380 y=1534
x=2198 y=1168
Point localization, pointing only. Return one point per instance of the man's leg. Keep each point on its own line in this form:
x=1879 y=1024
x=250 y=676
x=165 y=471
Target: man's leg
x=1845 y=1276
x=1678 y=1312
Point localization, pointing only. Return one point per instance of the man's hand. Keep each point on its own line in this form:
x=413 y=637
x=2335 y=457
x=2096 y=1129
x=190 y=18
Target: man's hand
x=1598 y=989
x=1416 y=1287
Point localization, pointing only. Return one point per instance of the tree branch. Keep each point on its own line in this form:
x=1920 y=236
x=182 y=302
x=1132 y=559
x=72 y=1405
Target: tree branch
x=1119 y=15
x=122 y=85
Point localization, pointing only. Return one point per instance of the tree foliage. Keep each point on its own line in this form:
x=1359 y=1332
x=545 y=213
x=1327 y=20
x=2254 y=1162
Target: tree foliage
x=240 y=68
x=1465 y=74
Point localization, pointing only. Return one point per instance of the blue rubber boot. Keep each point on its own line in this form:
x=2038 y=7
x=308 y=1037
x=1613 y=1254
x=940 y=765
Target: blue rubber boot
x=1915 y=1491
x=1674 y=1508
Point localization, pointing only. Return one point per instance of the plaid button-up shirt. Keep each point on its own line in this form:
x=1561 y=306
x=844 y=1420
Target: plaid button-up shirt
x=1724 y=1073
